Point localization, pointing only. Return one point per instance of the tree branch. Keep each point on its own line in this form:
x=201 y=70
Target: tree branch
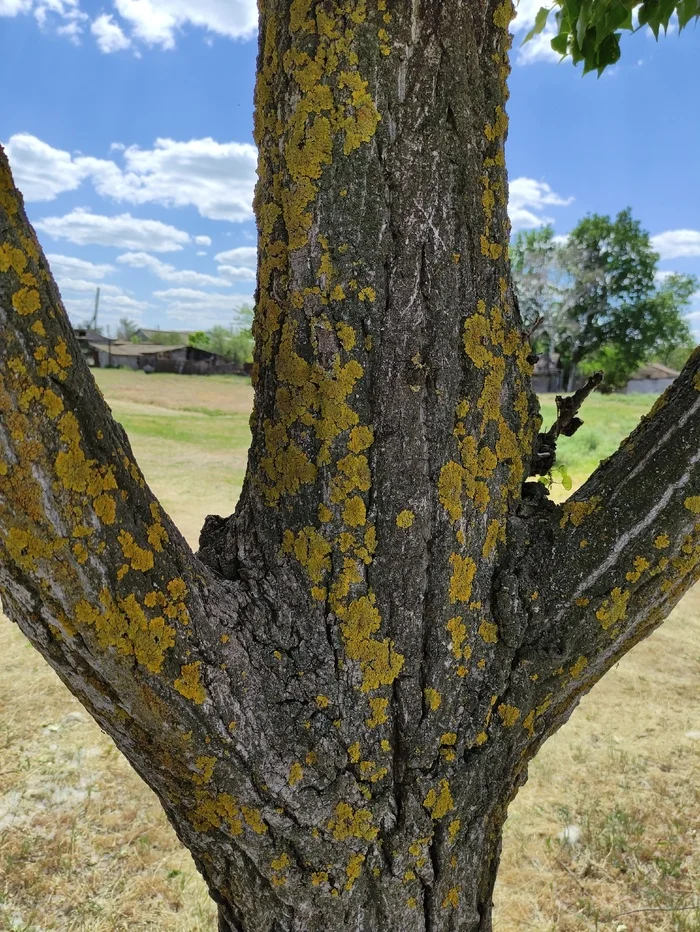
x=619 y=554
x=566 y=424
x=91 y=569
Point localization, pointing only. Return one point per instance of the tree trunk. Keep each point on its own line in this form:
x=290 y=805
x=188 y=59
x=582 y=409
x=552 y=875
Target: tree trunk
x=337 y=698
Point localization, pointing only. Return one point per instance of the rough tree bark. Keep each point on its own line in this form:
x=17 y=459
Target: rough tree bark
x=337 y=697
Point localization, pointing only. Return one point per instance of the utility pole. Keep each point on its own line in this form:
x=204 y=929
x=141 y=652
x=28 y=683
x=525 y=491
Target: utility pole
x=93 y=322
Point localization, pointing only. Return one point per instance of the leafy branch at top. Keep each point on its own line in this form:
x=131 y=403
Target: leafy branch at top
x=590 y=30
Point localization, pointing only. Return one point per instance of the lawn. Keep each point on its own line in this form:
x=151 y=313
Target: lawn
x=85 y=847
x=606 y=420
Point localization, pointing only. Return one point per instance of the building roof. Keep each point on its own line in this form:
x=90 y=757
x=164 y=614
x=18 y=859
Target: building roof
x=92 y=336
x=654 y=370
x=136 y=349
x=155 y=335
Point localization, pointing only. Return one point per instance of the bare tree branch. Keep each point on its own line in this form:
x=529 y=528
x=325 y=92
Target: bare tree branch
x=566 y=424
x=610 y=564
x=91 y=568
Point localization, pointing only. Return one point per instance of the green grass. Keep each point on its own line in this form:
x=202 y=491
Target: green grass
x=213 y=434
x=200 y=423
x=607 y=420
x=190 y=435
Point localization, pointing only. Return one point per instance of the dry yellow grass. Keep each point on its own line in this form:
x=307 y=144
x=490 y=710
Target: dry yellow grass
x=223 y=393
x=625 y=770
x=85 y=847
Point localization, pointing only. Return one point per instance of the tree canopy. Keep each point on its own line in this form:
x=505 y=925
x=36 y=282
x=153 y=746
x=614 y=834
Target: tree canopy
x=589 y=31
x=598 y=297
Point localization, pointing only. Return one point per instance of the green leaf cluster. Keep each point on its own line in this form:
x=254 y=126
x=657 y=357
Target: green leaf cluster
x=564 y=478
x=589 y=31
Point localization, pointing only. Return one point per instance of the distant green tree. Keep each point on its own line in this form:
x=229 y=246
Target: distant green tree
x=171 y=338
x=614 y=300
x=675 y=346
x=597 y=299
x=612 y=363
x=677 y=357
x=540 y=282
x=126 y=328
x=234 y=343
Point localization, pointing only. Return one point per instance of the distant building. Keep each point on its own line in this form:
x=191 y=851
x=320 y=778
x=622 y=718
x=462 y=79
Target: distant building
x=547 y=374
x=651 y=378
x=156 y=336
x=154 y=357
x=87 y=339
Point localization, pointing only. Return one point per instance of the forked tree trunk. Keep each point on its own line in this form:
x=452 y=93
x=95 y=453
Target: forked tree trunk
x=337 y=698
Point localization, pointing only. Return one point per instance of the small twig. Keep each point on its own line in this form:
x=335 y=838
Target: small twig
x=537 y=324
x=567 y=423
x=655 y=909
x=570 y=873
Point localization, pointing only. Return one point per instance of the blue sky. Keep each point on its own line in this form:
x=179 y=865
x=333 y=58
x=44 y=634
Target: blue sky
x=128 y=126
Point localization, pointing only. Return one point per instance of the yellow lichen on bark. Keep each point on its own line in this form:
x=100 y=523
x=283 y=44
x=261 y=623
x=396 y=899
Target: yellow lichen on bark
x=189 y=683
x=576 y=512
x=352 y=823
x=379 y=661
x=405 y=519
x=508 y=714
x=124 y=625
x=213 y=811
x=614 y=608
x=463 y=572
x=439 y=802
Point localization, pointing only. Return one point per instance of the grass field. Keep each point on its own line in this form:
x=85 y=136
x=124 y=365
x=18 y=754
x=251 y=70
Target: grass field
x=84 y=846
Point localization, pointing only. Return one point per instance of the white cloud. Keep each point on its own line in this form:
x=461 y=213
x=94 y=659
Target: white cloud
x=215 y=178
x=14 y=7
x=157 y=22
x=662 y=275
x=237 y=273
x=109 y=35
x=80 y=285
x=154 y=22
x=40 y=171
x=200 y=308
x=65 y=16
x=66 y=9
x=677 y=244
x=238 y=264
x=123 y=231
x=539 y=47
x=528 y=198
x=203 y=240
x=79 y=300
x=168 y=273
x=241 y=255
x=69 y=266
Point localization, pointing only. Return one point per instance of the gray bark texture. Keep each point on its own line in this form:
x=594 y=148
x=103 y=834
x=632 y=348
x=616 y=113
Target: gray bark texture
x=337 y=697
